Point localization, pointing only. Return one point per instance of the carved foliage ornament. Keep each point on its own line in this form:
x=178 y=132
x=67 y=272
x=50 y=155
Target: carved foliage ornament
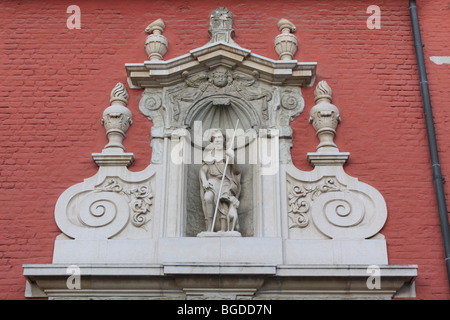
x=337 y=210
x=272 y=105
x=219 y=81
x=139 y=199
x=300 y=198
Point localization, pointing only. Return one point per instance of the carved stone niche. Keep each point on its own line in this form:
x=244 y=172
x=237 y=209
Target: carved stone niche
x=216 y=98
x=211 y=88
x=276 y=232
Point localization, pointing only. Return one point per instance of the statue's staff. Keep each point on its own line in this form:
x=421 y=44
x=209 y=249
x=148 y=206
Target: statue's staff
x=223 y=178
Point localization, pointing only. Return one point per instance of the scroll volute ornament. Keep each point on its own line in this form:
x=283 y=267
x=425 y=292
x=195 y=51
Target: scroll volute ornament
x=117 y=118
x=286 y=44
x=324 y=117
x=156 y=44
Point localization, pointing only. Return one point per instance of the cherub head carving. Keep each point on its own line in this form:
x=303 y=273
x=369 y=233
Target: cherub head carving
x=220 y=77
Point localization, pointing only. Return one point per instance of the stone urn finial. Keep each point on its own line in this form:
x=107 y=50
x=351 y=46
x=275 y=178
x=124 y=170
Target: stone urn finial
x=156 y=44
x=324 y=117
x=117 y=118
x=286 y=44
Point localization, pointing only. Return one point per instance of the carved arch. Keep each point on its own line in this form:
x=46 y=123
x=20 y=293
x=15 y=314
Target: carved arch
x=232 y=108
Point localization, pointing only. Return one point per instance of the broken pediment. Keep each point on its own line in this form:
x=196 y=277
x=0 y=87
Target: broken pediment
x=150 y=74
x=221 y=50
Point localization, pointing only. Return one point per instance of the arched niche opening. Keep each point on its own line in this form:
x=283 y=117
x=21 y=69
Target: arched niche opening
x=222 y=112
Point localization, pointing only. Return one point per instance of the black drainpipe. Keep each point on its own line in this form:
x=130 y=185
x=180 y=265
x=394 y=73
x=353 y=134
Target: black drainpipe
x=435 y=166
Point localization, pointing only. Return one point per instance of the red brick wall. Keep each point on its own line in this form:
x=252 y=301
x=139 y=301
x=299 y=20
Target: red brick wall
x=55 y=84
x=435 y=29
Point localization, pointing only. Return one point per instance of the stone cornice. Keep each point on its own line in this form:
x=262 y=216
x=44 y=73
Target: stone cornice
x=160 y=73
x=183 y=281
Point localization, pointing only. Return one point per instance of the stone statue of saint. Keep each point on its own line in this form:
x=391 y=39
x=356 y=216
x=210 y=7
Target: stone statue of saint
x=211 y=173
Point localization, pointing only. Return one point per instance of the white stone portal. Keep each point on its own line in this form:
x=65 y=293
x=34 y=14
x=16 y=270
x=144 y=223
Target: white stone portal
x=218 y=199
